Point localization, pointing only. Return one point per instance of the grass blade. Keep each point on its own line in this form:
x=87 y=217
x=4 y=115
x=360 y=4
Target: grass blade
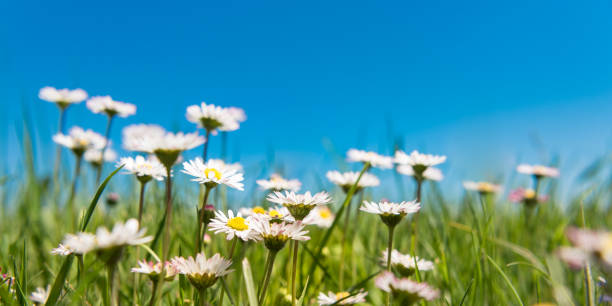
x=250 y=285
x=94 y=201
x=497 y=267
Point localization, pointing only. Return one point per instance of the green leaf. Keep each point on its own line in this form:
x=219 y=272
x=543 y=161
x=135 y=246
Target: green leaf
x=250 y=285
x=94 y=201
x=516 y=295
x=300 y=301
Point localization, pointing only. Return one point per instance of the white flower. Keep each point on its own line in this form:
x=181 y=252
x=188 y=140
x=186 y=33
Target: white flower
x=276 y=234
x=154 y=269
x=482 y=187
x=233 y=166
x=133 y=135
x=238 y=113
x=110 y=107
x=41 y=295
x=320 y=216
x=299 y=205
x=390 y=208
x=94 y=156
x=201 y=272
x=375 y=159
x=144 y=169
x=79 y=140
x=80 y=243
x=61 y=250
x=347 y=179
x=62 y=97
x=213 y=118
x=596 y=244
x=167 y=142
x=332 y=298
x=418 y=159
x=123 y=234
x=273 y=213
x=232 y=226
x=406 y=263
x=213 y=172
x=576 y=258
x=431 y=173
x=278 y=183
x=538 y=170
x=404 y=290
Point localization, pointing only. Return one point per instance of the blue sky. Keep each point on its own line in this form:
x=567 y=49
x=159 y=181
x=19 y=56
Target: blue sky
x=480 y=81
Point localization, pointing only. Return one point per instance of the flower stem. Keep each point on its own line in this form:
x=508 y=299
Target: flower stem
x=106 y=142
x=141 y=203
x=389 y=251
x=198 y=242
x=202 y=297
x=415 y=219
x=58 y=150
x=166 y=242
x=268 y=273
x=205 y=151
x=137 y=275
x=342 y=247
x=294 y=270
x=113 y=292
x=75 y=179
x=231 y=254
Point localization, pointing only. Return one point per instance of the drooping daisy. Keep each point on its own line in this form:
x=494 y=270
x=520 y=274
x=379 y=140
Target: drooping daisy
x=538 y=171
x=431 y=173
x=202 y=272
x=341 y=298
x=40 y=296
x=278 y=183
x=213 y=118
x=404 y=290
x=299 y=205
x=134 y=134
x=373 y=158
x=79 y=140
x=62 y=97
x=144 y=169
x=346 y=180
x=167 y=146
x=110 y=107
x=232 y=226
x=213 y=173
x=94 y=156
x=153 y=270
x=482 y=187
x=391 y=213
x=526 y=196
x=405 y=264
x=276 y=234
x=320 y=216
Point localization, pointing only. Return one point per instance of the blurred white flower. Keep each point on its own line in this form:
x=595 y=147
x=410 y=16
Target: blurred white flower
x=373 y=158
x=278 y=213
x=320 y=216
x=341 y=298
x=299 y=205
x=232 y=226
x=404 y=290
x=110 y=107
x=482 y=187
x=537 y=170
x=405 y=263
x=238 y=113
x=276 y=234
x=346 y=180
x=202 y=272
x=418 y=159
x=526 y=196
x=144 y=169
x=213 y=173
x=123 y=234
x=278 y=183
x=233 y=166
x=62 y=97
x=167 y=146
x=79 y=140
x=153 y=270
x=214 y=118
x=41 y=295
x=61 y=250
x=94 y=156
x=431 y=173
x=133 y=135
x=596 y=244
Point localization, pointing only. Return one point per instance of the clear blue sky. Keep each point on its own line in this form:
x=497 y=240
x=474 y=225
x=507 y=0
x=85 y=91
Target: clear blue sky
x=476 y=80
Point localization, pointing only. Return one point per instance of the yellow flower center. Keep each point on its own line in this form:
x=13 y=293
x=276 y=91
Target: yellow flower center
x=325 y=213
x=275 y=214
x=341 y=295
x=529 y=193
x=276 y=178
x=83 y=142
x=216 y=173
x=237 y=223
x=259 y=210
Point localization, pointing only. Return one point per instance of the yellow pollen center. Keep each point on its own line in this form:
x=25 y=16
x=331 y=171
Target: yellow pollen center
x=259 y=210
x=275 y=214
x=325 y=213
x=214 y=171
x=83 y=142
x=341 y=295
x=237 y=223
x=529 y=193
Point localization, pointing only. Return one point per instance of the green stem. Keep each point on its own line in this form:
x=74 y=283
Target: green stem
x=166 y=242
x=58 y=150
x=141 y=203
x=153 y=293
x=343 y=247
x=199 y=234
x=106 y=142
x=113 y=292
x=231 y=254
x=202 y=297
x=205 y=151
x=268 y=274
x=389 y=251
x=294 y=270
x=75 y=179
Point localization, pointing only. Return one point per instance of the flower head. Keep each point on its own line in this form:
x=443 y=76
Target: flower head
x=40 y=296
x=482 y=187
x=299 y=205
x=272 y=214
x=341 y=298
x=431 y=173
x=391 y=213
x=320 y=216
x=417 y=159
x=62 y=97
x=406 y=264
x=79 y=140
x=232 y=226
x=202 y=272
x=373 y=158
x=154 y=270
x=537 y=170
x=278 y=183
x=167 y=146
x=596 y=245
x=238 y=113
x=143 y=169
x=110 y=107
x=213 y=118
x=94 y=156
x=276 y=234
x=526 y=196
x=404 y=290
x=346 y=180
x=135 y=134
x=213 y=173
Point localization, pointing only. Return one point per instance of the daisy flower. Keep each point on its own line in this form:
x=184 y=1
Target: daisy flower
x=526 y=196
x=202 y=272
x=482 y=187
x=79 y=140
x=595 y=244
x=432 y=174
x=299 y=205
x=40 y=296
x=110 y=107
x=238 y=113
x=143 y=169
x=94 y=156
x=233 y=166
x=134 y=134
x=153 y=270
x=404 y=290
x=276 y=234
x=273 y=214
x=213 y=118
x=62 y=250
x=167 y=146
x=418 y=160
x=62 y=97
x=232 y=226
x=278 y=183
x=373 y=158
x=213 y=173
x=391 y=213
x=538 y=171
x=320 y=216
x=346 y=180
x=575 y=258
x=405 y=264
x=341 y=298
x=79 y=243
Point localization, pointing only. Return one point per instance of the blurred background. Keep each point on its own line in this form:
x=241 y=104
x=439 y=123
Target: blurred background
x=489 y=84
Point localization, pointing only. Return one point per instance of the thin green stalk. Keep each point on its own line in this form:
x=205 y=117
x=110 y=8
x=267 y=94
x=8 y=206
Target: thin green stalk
x=267 y=275
x=106 y=142
x=231 y=254
x=113 y=292
x=415 y=218
x=343 y=247
x=205 y=151
x=58 y=150
x=199 y=234
x=75 y=179
x=141 y=202
x=294 y=270
x=588 y=278
x=389 y=251
x=202 y=297
x=166 y=241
